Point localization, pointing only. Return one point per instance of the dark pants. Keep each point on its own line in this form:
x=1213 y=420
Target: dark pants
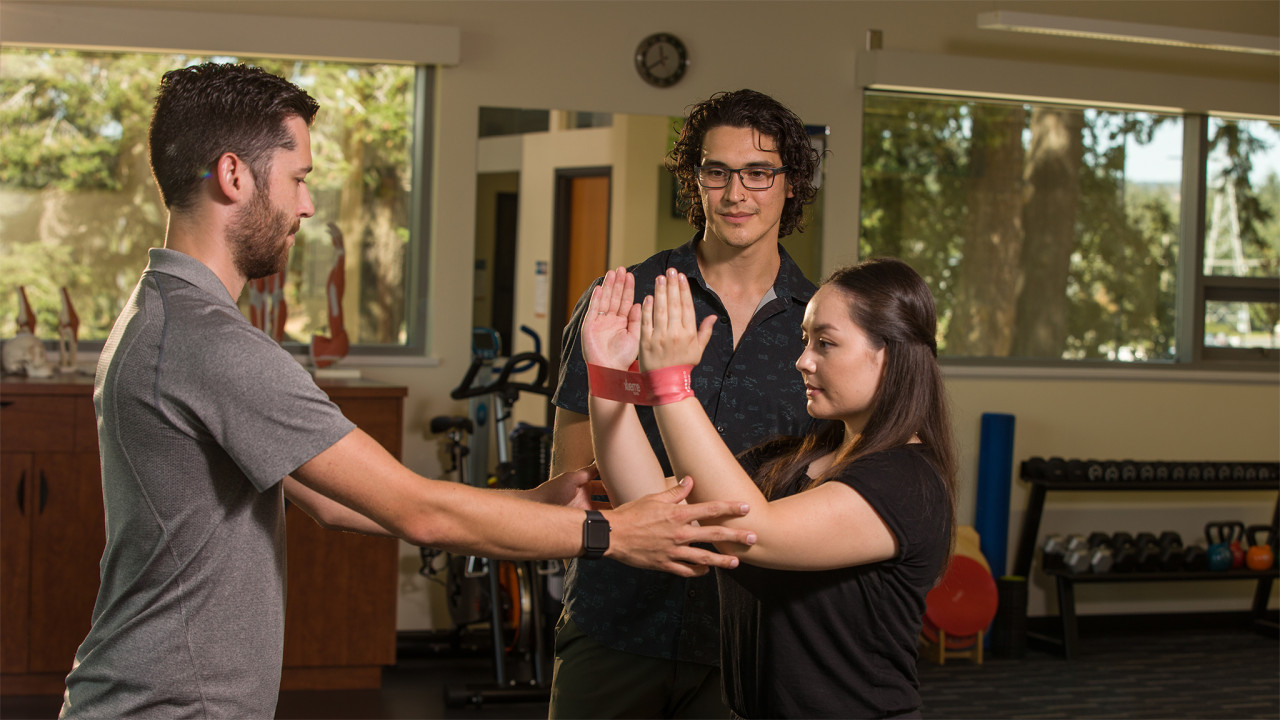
x=594 y=681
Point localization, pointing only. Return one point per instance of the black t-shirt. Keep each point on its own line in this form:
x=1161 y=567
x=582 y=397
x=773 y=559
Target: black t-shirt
x=840 y=643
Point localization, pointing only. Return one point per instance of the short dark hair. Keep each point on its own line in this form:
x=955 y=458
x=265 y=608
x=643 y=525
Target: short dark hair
x=204 y=111
x=755 y=110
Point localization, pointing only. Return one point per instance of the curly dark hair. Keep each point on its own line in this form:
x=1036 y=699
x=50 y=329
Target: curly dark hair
x=204 y=111
x=755 y=110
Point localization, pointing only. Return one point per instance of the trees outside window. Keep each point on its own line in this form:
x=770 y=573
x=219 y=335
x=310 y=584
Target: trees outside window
x=1054 y=233
x=78 y=207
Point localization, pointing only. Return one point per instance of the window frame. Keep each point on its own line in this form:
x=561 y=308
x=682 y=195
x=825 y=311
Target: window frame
x=425 y=47
x=1194 y=99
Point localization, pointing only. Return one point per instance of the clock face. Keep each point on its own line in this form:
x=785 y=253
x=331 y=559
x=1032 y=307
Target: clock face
x=661 y=59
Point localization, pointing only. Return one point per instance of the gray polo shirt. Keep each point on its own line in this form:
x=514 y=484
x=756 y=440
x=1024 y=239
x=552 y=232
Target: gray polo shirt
x=200 y=415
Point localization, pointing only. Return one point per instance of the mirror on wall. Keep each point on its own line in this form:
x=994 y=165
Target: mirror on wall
x=563 y=195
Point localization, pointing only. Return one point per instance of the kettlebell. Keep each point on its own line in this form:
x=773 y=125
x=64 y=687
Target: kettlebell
x=1219 y=552
x=1235 y=541
x=1259 y=556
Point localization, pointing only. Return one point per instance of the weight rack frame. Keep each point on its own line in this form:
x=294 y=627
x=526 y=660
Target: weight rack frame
x=1065 y=580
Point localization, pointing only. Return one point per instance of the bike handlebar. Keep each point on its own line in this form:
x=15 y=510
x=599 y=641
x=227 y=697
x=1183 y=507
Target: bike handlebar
x=516 y=363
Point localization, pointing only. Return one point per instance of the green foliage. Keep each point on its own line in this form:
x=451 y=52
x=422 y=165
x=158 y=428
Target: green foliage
x=923 y=156
x=79 y=208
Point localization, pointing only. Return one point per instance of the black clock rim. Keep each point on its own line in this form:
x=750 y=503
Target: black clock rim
x=681 y=53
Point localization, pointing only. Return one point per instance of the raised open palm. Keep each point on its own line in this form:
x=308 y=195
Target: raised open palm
x=611 y=329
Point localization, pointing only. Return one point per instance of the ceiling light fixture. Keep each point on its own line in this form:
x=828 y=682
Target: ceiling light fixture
x=1129 y=32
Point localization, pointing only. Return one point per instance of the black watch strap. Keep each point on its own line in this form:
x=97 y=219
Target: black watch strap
x=595 y=535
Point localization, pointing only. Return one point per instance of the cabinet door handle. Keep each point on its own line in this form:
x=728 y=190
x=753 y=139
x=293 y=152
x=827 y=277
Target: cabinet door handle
x=6 y=403
x=44 y=492
x=22 y=493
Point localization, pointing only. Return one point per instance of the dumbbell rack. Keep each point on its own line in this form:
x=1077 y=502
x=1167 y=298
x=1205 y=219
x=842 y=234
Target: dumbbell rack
x=1066 y=579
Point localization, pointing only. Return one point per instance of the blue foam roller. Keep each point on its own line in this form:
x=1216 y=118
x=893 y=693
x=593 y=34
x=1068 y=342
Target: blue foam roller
x=995 y=479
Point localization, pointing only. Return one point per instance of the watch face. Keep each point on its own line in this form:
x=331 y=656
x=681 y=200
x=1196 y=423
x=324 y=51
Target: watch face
x=661 y=59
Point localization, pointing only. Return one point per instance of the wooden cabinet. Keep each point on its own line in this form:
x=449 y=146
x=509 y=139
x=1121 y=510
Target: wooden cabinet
x=340 y=621
x=52 y=530
x=341 y=611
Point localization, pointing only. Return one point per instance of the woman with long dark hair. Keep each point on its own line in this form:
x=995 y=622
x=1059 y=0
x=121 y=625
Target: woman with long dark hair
x=854 y=521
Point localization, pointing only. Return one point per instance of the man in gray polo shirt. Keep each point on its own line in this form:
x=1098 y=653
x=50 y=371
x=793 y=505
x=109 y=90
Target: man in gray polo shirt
x=206 y=425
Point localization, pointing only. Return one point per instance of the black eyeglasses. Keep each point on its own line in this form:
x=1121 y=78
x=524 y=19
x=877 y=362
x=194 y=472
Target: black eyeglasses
x=713 y=177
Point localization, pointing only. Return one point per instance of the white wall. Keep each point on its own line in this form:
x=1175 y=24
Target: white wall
x=577 y=56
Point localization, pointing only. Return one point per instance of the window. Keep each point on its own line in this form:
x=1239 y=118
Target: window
x=1059 y=233
x=78 y=206
x=1241 y=239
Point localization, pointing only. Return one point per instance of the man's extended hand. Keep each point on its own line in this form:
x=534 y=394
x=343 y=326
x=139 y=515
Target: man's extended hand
x=656 y=532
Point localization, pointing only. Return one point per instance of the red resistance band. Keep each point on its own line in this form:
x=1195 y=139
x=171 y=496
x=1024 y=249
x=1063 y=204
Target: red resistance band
x=655 y=387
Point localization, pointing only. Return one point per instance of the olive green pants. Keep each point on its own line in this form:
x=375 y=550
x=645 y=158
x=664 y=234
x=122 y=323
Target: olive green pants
x=591 y=680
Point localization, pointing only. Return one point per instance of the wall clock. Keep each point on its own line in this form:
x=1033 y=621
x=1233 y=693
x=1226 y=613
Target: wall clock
x=661 y=59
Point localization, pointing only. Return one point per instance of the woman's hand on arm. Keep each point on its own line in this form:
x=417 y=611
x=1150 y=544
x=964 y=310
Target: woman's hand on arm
x=571 y=489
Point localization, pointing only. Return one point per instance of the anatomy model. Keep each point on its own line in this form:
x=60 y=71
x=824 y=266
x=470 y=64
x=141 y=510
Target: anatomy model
x=327 y=350
x=24 y=353
x=68 y=334
x=267 y=308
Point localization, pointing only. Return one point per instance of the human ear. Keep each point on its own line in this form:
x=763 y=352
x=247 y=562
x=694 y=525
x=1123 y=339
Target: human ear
x=233 y=176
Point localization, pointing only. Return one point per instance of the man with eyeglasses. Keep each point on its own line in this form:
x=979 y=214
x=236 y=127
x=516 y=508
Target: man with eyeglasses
x=634 y=643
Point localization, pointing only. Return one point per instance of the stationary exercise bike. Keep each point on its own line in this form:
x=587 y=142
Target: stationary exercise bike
x=515 y=592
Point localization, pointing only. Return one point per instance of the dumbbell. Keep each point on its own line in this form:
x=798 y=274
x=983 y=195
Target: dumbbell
x=1148 y=552
x=1147 y=471
x=1266 y=471
x=1077 y=471
x=1177 y=472
x=1163 y=471
x=1033 y=468
x=1056 y=469
x=1110 y=471
x=1195 y=558
x=1101 y=557
x=1093 y=470
x=1128 y=470
x=1066 y=552
x=1124 y=552
x=1172 y=558
x=1052 y=548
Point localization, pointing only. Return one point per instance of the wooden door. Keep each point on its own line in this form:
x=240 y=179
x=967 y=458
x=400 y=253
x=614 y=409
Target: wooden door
x=580 y=247
x=588 y=248
x=68 y=534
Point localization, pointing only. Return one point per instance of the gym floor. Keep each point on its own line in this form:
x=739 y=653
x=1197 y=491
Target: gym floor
x=1212 y=670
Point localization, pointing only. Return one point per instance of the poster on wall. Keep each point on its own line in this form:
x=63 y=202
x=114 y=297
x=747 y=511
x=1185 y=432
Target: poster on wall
x=540 y=289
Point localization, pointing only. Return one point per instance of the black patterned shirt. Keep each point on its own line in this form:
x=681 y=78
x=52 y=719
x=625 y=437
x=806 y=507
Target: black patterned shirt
x=751 y=393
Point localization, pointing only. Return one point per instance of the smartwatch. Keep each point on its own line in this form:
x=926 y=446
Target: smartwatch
x=595 y=535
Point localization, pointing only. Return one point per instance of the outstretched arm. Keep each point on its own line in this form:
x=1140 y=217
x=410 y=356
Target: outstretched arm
x=655 y=532
x=610 y=338
x=828 y=527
